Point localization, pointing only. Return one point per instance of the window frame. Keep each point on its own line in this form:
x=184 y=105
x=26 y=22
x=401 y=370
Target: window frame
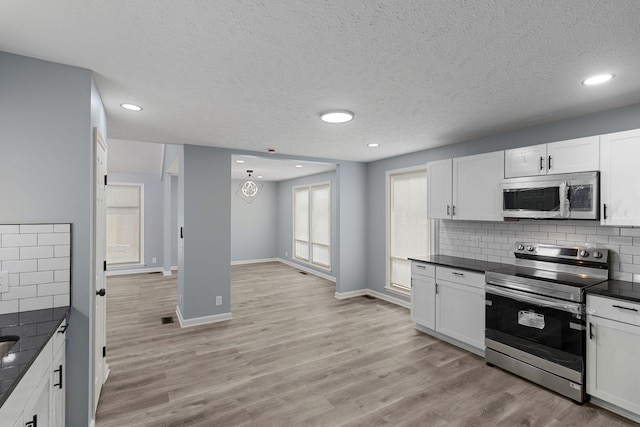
x=431 y=225
x=310 y=242
x=141 y=223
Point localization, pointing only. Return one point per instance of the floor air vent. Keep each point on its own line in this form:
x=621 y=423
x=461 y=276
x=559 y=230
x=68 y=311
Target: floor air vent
x=369 y=297
x=166 y=320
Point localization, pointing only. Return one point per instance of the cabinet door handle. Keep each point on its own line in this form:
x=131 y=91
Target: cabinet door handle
x=33 y=422
x=453 y=210
x=436 y=288
x=549 y=162
x=448 y=210
x=541 y=163
x=626 y=308
x=63 y=329
x=455 y=273
x=605 y=211
x=590 y=330
x=59 y=384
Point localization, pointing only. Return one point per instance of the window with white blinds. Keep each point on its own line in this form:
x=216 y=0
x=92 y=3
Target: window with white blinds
x=407 y=225
x=124 y=223
x=312 y=224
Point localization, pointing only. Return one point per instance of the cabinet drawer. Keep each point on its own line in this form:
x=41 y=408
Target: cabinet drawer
x=59 y=336
x=463 y=277
x=423 y=269
x=614 y=309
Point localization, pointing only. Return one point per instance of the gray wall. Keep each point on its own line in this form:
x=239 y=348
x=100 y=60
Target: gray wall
x=204 y=270
x=594 y=124
x=254 y=235
x=47 y=114
x=174 y=222
x=153 y=217
x=285 y=219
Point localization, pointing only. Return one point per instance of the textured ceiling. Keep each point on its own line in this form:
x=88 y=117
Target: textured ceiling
x=251 y=75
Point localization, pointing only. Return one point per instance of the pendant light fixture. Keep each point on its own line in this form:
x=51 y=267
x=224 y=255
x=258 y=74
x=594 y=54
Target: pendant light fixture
x=249 y=189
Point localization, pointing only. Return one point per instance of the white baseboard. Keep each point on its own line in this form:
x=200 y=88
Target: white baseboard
x=205 y=320
x=376 y=294
x=174 y=268
x=307 y=269
x=93 y=422
x=254 y=261
x=166 y=273
x=133 y=271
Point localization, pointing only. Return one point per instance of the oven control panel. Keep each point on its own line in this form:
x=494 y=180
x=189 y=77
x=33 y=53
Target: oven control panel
x=557 y=253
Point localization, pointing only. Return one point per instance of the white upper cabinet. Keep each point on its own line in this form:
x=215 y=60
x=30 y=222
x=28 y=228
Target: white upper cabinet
x=573 y=155
x=620 y=178
x=466 y=187
x=476 y=187
x=525 y=161
x=439 y=189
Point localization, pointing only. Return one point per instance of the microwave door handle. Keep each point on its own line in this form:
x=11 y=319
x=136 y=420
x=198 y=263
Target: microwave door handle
x=564 y=199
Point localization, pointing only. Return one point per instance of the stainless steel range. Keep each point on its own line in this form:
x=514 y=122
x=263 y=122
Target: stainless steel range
x=535 y=314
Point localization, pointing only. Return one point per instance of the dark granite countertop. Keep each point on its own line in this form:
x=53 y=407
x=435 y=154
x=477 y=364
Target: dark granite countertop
x=34 y=328
x=463 y=263
x=619 y=289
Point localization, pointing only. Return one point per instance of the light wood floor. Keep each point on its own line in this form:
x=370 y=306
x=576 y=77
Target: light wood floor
x=294 y=355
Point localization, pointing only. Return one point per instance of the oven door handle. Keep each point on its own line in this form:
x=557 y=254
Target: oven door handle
x=536 y=299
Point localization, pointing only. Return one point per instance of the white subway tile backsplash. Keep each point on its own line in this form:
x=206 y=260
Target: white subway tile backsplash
x=36 y=278
x=54 y=264
x=7 y=307
x=54 y=239
x=22 y=266
x=35 y=252
x=8 y=254
x=495 y=241
x=36 y=228
x=13 y=240
x=37 y=257
x=37 y=303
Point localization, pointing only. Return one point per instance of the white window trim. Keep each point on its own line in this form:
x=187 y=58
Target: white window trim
x=433 y=229
x=142 y=229
x=293 y=243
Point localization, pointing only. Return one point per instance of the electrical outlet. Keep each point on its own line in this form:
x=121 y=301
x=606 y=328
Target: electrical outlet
x=4 y=281
x=154 y=260
x=218 y=300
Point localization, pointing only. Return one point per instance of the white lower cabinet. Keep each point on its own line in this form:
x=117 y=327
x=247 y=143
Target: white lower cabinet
x=450 y=303
x=613 y=353
x=39 y=398
x=460 y=311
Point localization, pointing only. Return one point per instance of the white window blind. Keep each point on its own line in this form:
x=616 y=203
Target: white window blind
x=312 y=224
x=407 y=225
x=124 y=224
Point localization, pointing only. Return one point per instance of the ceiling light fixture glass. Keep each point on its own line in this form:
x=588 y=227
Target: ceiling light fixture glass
x=596 y=80
x=373 y=145
x=239 y=161
x=249 y=189
x=298 y=166
x=336 y=116
x=131 y=107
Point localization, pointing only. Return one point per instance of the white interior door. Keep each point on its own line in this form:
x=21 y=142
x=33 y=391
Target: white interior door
x=100 y=216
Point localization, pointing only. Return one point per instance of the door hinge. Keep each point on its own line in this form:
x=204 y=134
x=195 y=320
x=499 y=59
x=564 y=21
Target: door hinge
x=104 y=265
x=104 y=351
x=105 y=180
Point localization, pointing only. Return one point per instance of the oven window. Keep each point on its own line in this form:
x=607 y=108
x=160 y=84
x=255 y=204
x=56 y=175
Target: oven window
x=548 y=333
x=532 y=199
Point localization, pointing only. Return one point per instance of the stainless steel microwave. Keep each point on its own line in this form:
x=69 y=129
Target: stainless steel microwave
x=562 y=196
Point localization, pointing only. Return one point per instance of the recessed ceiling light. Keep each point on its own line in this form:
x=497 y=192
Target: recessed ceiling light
x=298 y=166
x=373 y=144
x=260 y=177
x=595 y=80
x=131 y=107
x=239 y=161
x=337 y=116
